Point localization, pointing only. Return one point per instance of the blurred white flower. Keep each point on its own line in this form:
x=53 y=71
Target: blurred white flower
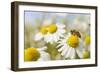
x=36 y=54
x=47 y=22
x=71 y=45
x=50 y=33
x=44 y=56
x=81 y=23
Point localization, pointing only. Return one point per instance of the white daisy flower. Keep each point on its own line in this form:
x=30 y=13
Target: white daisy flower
x=71 y=45
x=36 y=54
x=50 y=33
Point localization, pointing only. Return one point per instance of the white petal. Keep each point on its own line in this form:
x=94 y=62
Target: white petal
x=79 y=53
x=59 y=45
x=61 y=31
x=61 y=49
x=52 y=38
x=72 y=54
x=55 y=37
x=38 y=36
x=68 y=54
x=42 y=49
x=48 y=38
x=44 y=56
x=60 y=34
x=81 y=45
x=62 y=41
x=60 y=25
x=64 y=51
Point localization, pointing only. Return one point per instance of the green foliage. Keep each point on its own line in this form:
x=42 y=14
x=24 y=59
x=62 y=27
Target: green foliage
x=52 y=50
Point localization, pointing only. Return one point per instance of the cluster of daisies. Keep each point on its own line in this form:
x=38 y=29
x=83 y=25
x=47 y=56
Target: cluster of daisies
x=70 y=44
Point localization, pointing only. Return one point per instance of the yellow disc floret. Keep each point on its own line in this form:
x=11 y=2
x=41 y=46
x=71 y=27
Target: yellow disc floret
x=87 y=40
x=52 y=28
x=86 y=54
x=31 y=54
x=73 y=41
x=43 y=30
x=48 y=28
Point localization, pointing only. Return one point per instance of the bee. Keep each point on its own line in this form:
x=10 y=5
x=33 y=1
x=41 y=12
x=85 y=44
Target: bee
x=74 y=32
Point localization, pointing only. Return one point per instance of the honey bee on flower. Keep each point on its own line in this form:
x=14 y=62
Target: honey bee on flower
x=65 y=35
x=71 y=45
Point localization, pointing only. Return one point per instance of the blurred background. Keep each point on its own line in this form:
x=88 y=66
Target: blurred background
x=34 y=20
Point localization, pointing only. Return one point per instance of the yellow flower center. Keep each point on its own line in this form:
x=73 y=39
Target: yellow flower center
x=86 y=54
x=43 y=30
x=73 y=41
x=50 y=28
x=31 y=54
x=87 y=40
